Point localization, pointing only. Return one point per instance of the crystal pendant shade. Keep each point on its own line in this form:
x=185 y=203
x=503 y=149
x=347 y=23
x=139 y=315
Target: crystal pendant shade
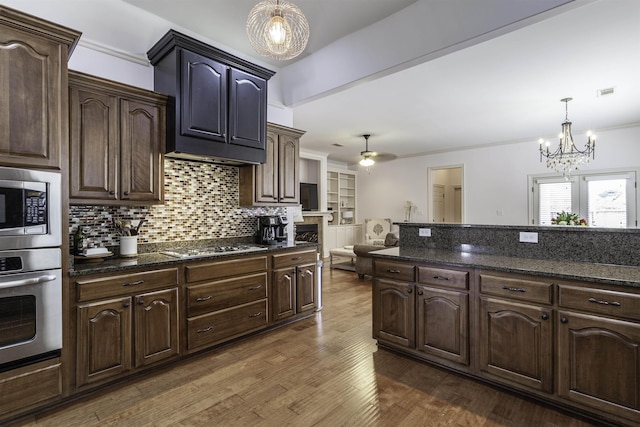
x=567 y=157
x=277 y=29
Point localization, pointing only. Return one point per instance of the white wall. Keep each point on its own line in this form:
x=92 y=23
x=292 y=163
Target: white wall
x=495 y=178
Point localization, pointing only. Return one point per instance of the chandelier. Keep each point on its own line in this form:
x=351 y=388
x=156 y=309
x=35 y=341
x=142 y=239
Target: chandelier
x=277 y=29
x=567 y=156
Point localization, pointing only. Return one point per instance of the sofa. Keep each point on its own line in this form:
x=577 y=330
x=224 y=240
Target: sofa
x=364 y=261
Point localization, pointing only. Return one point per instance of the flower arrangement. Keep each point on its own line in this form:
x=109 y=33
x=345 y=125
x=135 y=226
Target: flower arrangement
x=568 y=218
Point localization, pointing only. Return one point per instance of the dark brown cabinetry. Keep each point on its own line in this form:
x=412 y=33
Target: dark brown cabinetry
x=516 y=331
x=276 y=182
x=117 y=141
x=220 y=109
x=124 y=323
x=430 y=317
x=293 y=285
x=225 y=300
x=34 y=101
x=599 y=351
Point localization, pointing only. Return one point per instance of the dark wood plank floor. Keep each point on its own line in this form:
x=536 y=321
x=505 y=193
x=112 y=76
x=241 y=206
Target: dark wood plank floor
x=324 y=371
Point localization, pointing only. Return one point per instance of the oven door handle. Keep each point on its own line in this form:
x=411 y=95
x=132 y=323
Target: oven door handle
x=24 y=282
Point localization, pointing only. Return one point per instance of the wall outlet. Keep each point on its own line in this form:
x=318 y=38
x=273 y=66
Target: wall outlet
x=424 y=232
x=528 y=237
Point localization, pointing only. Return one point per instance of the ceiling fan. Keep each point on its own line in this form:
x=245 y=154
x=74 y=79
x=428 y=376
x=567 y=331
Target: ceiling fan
x=368 y=158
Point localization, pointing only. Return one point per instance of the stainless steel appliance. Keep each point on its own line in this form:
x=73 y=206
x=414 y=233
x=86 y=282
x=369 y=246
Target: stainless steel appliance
x=272 y=229
x=30 y=209
x=30 y=306
x=212 y=251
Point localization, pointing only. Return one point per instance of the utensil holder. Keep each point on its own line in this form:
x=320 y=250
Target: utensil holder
x=128 y=246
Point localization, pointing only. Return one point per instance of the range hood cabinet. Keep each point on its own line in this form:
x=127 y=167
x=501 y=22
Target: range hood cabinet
x=217 y=109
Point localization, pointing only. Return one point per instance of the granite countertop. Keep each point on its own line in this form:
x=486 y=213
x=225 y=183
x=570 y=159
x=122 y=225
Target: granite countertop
x=601 y=273
x=157 y=259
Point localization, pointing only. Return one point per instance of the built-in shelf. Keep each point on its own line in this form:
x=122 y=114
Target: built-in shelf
x=341 y=197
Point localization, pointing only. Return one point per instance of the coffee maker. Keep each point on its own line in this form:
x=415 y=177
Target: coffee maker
x=272 y=230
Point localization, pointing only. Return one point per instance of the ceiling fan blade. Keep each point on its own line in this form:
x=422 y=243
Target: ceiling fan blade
x=384 y=157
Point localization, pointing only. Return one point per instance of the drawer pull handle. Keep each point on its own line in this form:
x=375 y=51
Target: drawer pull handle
x=597 y=301
x=201 y=299
x=207 y=329
x=514 y=289
x=256 y=314
x=255 y=288
x=295 y=258
x=440 y=278
x=139 y=282
x=393 y=271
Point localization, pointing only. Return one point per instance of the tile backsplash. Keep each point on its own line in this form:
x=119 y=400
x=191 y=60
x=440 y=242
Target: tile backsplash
x=201 y=202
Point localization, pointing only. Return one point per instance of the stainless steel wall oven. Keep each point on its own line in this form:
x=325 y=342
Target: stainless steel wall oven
x=30 y=306
x=30 y=266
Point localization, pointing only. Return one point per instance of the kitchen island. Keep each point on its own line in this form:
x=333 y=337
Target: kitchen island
x=542 y=326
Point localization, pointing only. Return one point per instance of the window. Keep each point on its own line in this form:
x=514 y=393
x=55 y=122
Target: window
x=603 y=199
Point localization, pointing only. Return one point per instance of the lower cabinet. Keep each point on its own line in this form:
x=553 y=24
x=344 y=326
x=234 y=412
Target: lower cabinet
x=516 y=331
x=225 y=300
x=430 y=318
x=136 y=327
x=293 y=286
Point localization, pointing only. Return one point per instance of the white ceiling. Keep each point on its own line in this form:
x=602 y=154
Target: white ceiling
x=421 y=76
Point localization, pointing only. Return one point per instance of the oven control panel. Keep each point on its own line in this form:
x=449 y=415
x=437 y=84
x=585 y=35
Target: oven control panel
x=8 y=264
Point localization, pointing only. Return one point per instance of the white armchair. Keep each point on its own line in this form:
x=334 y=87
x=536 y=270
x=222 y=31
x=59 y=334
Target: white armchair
x=375 y=230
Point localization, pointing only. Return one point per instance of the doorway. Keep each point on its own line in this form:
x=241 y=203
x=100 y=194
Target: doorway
x=446 y=194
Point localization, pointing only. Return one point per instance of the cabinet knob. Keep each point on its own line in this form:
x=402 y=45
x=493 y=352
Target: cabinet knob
x=140 y=301
x=545 y=316
x=409 y=290
x=420 y=292
x=126 y=304
x=111 y=193
x=126 y=193
x=564 y=320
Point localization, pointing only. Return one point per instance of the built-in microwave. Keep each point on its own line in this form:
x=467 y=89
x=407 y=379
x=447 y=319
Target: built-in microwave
x=30 y=209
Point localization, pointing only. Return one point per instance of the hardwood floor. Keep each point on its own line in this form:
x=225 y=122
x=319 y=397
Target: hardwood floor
x=325 y=371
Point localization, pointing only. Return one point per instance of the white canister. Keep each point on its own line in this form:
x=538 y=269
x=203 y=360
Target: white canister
x=128 y=246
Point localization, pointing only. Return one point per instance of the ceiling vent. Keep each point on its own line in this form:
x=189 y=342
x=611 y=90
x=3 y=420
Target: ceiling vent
x=605 y=92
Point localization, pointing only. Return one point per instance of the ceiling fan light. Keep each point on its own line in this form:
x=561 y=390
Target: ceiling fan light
x=366 y=162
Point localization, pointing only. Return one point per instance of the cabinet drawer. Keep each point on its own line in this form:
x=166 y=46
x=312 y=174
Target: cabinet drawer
x=126 y=284
x=225 y=293
x=515 y=288
x=600 y=301
x=221 y=325
x=441 y=277
x=220 y=269
x=394 y=270
x=293 y=258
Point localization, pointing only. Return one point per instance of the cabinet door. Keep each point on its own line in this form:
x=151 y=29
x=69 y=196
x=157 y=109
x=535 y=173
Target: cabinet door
x=289 y=169
x=266 y=185
x=33 y=122
x=306 y=291
x=394 y=312
x=142 y=135
x=443 y=324
x=104 y=340
x=203 y=101
x=156 y=326
x=247 y=110
x=283 y=303
x=94 y=144
x=516 y=342
x=599 y=363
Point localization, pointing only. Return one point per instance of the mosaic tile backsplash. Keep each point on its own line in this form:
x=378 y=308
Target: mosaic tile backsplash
x=201 y=203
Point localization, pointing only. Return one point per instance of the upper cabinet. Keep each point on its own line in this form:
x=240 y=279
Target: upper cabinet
x=276 y=182
x=34 y=103
x=220 y=108
x=117 y=141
